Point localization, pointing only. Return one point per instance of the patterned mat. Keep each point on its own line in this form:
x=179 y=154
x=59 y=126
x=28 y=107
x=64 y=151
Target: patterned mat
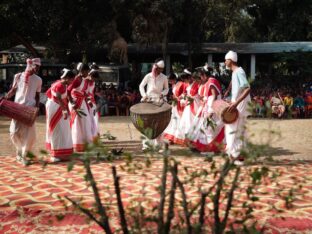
x=29 y=196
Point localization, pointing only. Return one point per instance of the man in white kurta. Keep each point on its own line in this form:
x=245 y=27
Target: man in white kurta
x=156 y=90
x=240 y=98
x=26 y=87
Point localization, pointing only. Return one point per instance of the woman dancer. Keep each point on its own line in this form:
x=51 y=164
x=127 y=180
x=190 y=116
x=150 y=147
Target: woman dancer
x=58 y=133
x=207 y=132
x=80 y=117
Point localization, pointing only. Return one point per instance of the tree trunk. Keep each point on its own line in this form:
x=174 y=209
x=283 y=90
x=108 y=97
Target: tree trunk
x=25 y=43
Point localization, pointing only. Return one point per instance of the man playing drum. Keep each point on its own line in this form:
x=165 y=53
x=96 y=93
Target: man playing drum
x=240 y=97
x=26 y=88
x=156 y=90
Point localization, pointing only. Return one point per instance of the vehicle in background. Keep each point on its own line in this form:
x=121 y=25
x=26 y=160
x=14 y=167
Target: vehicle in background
x=118 y=75
x=48 y=72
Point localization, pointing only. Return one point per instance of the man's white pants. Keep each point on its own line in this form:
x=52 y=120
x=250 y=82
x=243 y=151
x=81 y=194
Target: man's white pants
x=235 y=136
x=23 y=137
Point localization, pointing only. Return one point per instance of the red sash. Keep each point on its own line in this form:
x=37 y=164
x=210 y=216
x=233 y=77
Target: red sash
x=212 y=82
x=80 y=97
x=55 y=119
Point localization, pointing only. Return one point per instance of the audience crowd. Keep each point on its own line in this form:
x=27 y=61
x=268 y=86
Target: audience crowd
x=267 y=102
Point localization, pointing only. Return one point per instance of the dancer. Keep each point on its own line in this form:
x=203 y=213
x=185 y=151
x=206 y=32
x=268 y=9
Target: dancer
x=156 y=91
x=208 y=137
x=93 y=110
x=240 y=98
x=191 y=102
x=177 y=109
x=26 y=88
x=58 y=132
x=81 y=125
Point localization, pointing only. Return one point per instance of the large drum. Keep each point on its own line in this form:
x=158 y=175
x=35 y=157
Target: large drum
x=25 y=114
x=151 y=119
x=221 y=108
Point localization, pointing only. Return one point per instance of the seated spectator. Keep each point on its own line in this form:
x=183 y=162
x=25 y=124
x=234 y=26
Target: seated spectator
x=112 y=101
x=260 y=108
x=308 y=101
x=278 y=108
x=123 y=104
x=299 y=106
x=102 y=103
x=288 y=101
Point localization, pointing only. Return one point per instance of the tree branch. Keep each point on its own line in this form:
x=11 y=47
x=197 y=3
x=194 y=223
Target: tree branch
x=173 y=188
x=121 y=210
x=217 y=223
x=162 y=196
x=184 y=203
x=230 y=197
x=100 y=207
x=85 y=211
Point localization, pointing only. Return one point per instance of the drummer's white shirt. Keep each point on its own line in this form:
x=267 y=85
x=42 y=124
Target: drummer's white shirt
x=155 y=86
x=34 y=86
x=239 y=83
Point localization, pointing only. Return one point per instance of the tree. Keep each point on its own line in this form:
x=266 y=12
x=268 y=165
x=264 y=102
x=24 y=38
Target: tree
x=289 y=20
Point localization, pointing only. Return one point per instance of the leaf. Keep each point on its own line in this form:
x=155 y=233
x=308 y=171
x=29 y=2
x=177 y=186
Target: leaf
x=70 y=166
x=140 y=122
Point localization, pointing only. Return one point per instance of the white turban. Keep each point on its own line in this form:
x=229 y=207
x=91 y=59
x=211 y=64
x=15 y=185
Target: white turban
x=231 y=55
x=187 y=72
x=79 y=65
x=160 y=64
x=93 y=71
x=65 y=72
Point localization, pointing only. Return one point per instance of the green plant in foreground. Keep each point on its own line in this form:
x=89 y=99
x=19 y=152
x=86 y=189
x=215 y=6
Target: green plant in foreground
x=219 y=183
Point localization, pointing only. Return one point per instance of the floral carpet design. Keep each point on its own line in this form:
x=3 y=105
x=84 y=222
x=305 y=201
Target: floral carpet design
x=30 y=196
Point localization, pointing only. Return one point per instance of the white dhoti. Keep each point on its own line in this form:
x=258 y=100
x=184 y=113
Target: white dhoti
x=23 y=137
x=236 y=132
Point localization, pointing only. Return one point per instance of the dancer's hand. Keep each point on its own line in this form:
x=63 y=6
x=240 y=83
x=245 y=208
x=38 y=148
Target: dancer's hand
x=65 y=114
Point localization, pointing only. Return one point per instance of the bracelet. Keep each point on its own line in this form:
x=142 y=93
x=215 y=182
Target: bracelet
x=64 y=111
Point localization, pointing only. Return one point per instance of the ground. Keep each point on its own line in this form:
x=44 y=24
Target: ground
x=33 y=192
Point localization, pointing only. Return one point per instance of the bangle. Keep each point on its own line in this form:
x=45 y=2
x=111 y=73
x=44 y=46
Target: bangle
x=64 y=111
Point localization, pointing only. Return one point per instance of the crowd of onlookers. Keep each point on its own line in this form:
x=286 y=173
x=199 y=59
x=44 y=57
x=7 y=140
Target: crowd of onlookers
x=113 y=101
x=282 y=103
x=266 y=102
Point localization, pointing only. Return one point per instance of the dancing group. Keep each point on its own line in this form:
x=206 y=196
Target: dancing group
x=71 y=115
x=193 y=121
x=72 y=118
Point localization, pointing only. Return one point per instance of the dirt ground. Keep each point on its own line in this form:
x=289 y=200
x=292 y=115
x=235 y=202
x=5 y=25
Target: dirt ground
x=291 y=139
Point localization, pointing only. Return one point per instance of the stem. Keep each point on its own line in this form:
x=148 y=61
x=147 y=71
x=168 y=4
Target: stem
x=100 y=207
x=121 y=210
x=173 y=188
x=217 y=223
x=202 y=210
x=86 y=212
x=162 y=196
x=230 y=197
x=184 y=203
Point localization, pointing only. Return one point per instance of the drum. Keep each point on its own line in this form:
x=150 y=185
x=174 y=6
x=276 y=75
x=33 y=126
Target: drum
x=220 y=107
x=24 y=114
x=150 y=119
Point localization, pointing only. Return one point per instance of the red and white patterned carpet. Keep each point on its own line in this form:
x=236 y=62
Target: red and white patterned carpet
x=29 y=200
